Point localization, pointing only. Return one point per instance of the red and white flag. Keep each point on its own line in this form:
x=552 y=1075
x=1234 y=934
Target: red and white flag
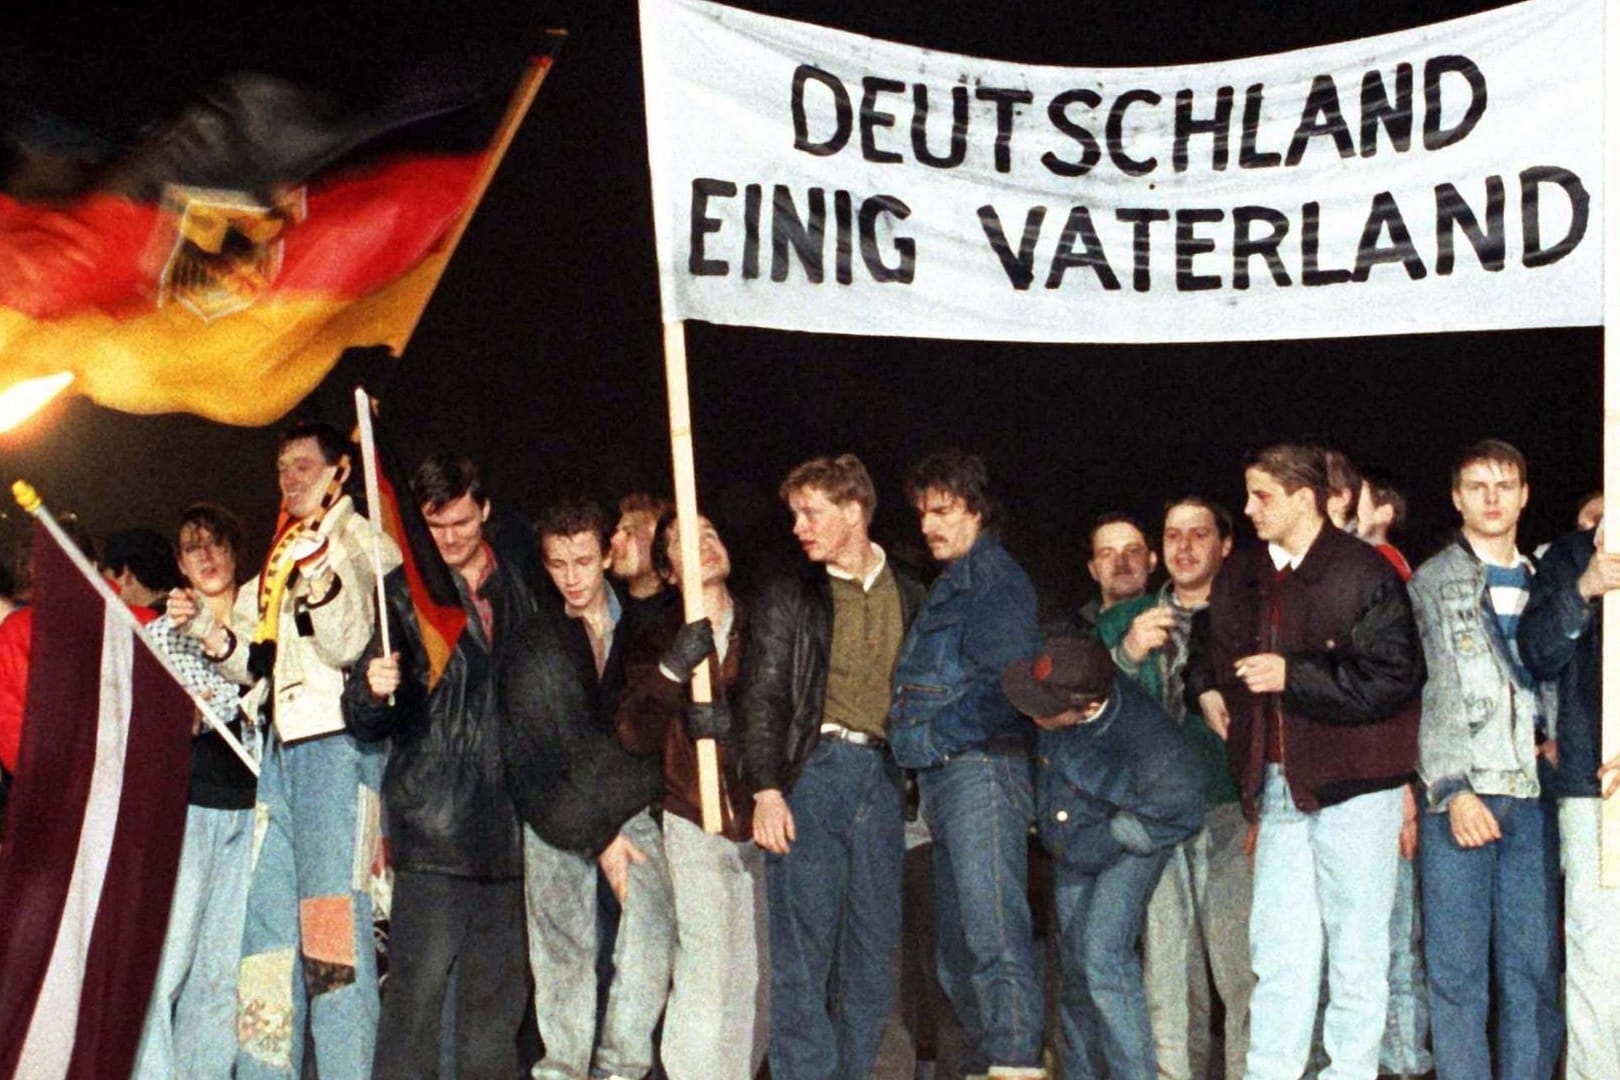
x=94 y=829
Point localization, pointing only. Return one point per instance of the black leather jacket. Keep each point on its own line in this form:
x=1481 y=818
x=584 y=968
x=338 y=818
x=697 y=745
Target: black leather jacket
x=572 y=781
x=784 y=676
x=445 y=792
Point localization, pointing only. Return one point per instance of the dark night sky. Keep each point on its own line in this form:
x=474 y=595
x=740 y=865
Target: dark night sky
x=540 y=354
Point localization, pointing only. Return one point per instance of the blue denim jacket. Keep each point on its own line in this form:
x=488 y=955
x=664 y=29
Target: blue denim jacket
x=1478 y=731
x=1127 y=781
x=1561 y=639
x=978 y=618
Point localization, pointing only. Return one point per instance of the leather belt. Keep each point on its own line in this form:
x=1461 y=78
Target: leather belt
x=855 y=738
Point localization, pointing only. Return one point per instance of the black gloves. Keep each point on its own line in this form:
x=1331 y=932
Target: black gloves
x=693 y=643
x=708 y=720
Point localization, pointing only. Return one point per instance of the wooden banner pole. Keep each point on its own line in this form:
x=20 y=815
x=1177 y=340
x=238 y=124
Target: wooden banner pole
x=1609 y=828
x=680 y=444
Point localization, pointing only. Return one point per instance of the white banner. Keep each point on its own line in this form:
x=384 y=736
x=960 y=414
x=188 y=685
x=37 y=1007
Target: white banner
x=1438 y=179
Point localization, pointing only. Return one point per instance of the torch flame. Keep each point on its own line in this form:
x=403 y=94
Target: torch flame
x=19 y=402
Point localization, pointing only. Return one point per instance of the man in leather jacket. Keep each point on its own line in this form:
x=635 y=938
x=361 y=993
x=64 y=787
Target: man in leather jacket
x=458 y=856
x=1308 y=660
x=827 y=804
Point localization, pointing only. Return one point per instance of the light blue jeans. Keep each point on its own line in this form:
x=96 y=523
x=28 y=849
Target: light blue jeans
x=560 y=894
x=979 y=806
x=308 y=950
x=191 y=1022
x=1323 y=880
x=1592 y=938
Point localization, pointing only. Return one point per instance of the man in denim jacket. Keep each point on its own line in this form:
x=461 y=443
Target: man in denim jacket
x=1118 y=787
x=951 y=722
x=1490 y=862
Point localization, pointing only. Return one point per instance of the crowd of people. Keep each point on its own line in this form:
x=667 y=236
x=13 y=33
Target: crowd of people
x=1299 y=810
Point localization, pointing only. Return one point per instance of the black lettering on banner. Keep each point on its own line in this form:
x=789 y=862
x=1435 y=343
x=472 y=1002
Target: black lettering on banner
x=1452 y=212
x=1386 y=214
x=919 y=128
x=1079 y=225
x=1245 y=247
x=1115 y=133
x=1376 y=109
x=1321 y=116
x=1310 y=242
x=703 y=189
x=1436 y=137
x=788 y=230
x=1020 y=268
x=1006 y=99
x=1090 y=152
x=1190 y=244
x=871 y=209
x=872 y=119
x=1248 y=156
x=752 y=196
x=843 y=114
x=1218 y=125
x=844 y=221
x=1142 y=219
x=1530 y=181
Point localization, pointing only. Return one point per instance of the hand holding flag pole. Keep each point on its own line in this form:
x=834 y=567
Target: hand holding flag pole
x=368 y=462
x=29 y=499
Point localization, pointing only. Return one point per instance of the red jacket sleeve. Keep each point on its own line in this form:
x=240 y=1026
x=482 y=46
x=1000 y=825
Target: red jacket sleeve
x=16 y=633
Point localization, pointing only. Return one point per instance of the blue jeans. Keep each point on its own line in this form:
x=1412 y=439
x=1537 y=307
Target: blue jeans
x=191 y=1022
x=834 y=906
x=1101 y=1004
x=979 y=805
x=1321 y=880
x=308 y=953
x=1489 y=907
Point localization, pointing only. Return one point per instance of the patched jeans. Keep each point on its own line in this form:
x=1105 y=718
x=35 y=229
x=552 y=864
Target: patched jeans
x=835 y=914
x=1493 y=911
x=190 y=1027
x=1321 y=880
x=308 y=952
x=979 y=805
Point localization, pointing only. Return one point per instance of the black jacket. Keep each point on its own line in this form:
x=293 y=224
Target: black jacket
x=444 y=791
x=572 y=781
x=1561 y=640
x=784 y=676
x=1355 y=669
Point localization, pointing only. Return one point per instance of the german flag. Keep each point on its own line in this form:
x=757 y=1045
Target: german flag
x=434 y=597
x=218 y=273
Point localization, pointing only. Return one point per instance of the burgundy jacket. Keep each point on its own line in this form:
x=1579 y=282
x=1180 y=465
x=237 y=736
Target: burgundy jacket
x=1355 y=669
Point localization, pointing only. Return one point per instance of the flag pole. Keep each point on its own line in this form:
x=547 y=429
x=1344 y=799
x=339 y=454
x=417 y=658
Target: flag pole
x=30 y=501
x=518 y=108
x=680 y=442
x=1609 y=695
x=368 y=465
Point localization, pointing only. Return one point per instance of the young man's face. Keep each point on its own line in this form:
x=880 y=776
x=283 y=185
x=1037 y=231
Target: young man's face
x=1275 y=512
x=1490 y=496
x=577 y=565
x=826 y=530
x=1193 y=546
x=458 y=531
x=304 y=476
x=630 y=549
x=949 y=528
x=1120 y=561
x=714 y=561
x=206 y=561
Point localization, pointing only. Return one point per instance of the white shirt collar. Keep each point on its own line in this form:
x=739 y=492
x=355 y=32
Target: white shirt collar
x=867 y=582
x=1280 y=556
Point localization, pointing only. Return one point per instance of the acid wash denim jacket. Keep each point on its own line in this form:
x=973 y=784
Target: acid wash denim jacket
x=1478 y=731
x=979 y=617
